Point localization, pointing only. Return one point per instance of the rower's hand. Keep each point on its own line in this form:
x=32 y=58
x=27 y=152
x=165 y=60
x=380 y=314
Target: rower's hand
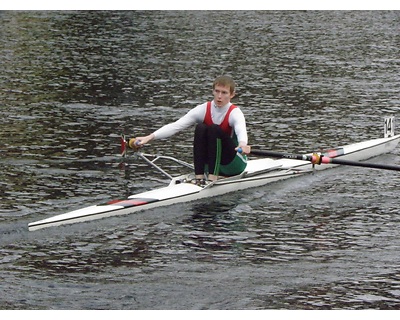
x=243 y=149
x=139 y=142
x=134 y=144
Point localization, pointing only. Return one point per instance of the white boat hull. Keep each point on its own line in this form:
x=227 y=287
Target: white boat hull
x=259 y=172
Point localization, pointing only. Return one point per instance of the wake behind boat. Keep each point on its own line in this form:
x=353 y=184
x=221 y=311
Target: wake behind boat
x=258 y=172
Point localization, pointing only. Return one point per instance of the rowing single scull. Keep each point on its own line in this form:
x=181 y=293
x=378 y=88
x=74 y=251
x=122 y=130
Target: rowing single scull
x=258 y=172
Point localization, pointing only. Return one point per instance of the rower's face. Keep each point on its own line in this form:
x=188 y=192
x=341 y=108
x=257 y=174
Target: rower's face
x=222 y=95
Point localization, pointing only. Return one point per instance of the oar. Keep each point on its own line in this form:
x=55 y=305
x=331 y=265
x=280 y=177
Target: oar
x=319 y=159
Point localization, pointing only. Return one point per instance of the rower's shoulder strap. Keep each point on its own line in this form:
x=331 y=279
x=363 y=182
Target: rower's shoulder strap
x=225 y=123
x=207 y=118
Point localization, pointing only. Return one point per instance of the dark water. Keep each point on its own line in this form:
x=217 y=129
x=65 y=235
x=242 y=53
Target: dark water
x=71 y=82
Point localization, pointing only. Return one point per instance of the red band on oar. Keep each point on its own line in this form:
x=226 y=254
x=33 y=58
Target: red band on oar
x=316 y=158
x=319 y=159
x=326 y=160
x=123 y=146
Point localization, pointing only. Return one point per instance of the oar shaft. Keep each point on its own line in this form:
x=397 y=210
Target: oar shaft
x=324 y=159
x=360 y=164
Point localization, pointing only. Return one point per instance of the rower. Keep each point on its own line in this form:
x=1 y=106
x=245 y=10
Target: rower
x=220 y=132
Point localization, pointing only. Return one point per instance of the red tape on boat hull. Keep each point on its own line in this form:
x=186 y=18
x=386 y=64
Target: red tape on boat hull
x=130 y=202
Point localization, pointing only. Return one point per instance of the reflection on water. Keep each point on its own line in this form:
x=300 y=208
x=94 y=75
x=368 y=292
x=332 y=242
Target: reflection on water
x=72 y=82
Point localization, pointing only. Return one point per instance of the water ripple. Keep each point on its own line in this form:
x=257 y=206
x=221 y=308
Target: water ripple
x=72 y=82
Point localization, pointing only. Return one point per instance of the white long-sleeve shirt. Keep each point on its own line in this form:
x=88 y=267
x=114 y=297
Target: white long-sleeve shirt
x=197 y=114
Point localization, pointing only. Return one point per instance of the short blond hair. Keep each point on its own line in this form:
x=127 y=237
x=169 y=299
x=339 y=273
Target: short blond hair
x=225 y=81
